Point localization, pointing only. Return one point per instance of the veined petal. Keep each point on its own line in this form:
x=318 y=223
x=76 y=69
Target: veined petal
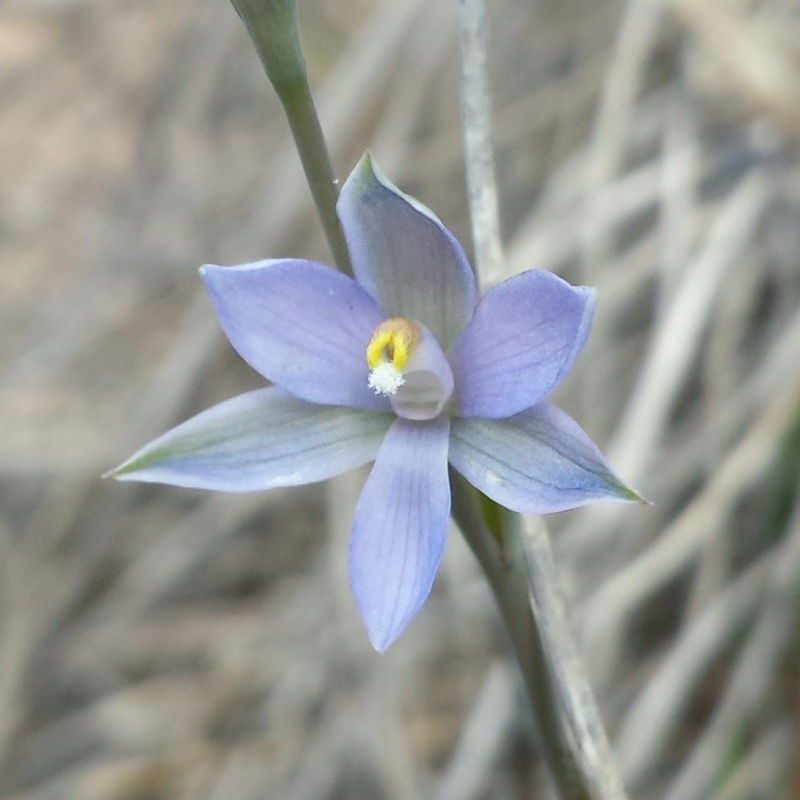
x=301 y=325
x=539 y=461
x=403 y=255
x=523 y=339
x=259 y=440
x=400 y=528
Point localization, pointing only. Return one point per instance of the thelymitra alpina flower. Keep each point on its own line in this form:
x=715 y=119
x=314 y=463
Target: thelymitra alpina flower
x=402 y=367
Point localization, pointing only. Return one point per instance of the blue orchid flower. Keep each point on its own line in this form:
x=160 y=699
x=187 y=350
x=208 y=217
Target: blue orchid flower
x=400 y=367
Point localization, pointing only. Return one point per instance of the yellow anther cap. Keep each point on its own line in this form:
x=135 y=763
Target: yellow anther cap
x=392 y=342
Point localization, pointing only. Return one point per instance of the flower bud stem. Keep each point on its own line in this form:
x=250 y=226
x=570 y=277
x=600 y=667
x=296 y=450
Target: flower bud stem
x=274 y=28
x=310 y=142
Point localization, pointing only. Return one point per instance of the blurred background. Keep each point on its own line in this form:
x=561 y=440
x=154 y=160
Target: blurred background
x=159 y=643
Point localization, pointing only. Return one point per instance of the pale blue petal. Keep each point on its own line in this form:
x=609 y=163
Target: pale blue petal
x=303 y=326
x=523 y=339
x=539 y=461
x=400 y=528
x=259 y=440
x=403 y=255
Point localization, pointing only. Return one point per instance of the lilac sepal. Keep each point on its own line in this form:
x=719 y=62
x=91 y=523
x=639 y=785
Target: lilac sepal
x=523 y=339
x=301 y=325
x=539 y=461
x=259 y=440
x=403 y=255
x=400 y=528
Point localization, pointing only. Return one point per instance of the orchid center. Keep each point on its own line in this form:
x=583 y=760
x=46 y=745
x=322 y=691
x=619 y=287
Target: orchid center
x=407 y=365
x=387 y=354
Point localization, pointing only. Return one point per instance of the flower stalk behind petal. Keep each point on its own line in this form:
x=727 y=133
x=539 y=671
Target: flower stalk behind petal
x=508 y=579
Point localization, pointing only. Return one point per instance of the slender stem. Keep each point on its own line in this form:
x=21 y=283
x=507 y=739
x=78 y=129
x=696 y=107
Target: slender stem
x=298 y=104
x=579 y=712
x=479 y=163
x=274 y=28
x=507 y=576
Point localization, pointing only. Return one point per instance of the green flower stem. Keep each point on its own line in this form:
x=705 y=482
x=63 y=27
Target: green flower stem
x=274 y=28
x=304 y=123
x=579 y=712
x=506 y=572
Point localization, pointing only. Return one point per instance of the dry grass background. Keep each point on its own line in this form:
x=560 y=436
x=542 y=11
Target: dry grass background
x=161 y=643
